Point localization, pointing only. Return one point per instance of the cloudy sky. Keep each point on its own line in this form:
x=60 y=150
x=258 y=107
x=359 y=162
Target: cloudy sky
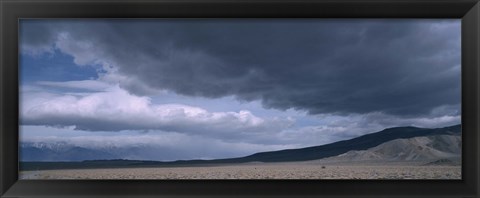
x=214 y=88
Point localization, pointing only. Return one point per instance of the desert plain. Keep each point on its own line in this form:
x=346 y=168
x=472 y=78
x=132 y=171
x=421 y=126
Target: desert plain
x=284 y=170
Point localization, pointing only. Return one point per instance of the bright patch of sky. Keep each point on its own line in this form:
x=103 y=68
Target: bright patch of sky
x=55 y=66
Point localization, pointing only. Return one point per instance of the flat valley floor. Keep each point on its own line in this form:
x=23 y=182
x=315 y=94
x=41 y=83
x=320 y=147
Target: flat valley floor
x=297 y=170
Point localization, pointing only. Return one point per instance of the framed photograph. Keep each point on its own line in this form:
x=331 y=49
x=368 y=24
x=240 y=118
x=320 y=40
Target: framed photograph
x=239 y=98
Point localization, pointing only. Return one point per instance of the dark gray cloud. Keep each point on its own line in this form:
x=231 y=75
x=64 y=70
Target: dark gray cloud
x=398 y=67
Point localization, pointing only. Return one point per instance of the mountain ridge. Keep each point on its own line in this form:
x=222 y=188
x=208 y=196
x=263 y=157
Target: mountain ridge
x=359 y=143
x=363 y=142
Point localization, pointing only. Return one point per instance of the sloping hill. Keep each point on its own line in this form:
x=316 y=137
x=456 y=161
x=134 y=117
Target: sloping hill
x=360 y=143
x=426 y=148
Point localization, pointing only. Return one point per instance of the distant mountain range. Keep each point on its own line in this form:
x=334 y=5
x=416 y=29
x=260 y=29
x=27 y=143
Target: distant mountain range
x=399 y=143
x=60 y=151
x=63 y=151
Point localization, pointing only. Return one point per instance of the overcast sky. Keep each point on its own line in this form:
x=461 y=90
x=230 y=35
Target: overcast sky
x=211 y=88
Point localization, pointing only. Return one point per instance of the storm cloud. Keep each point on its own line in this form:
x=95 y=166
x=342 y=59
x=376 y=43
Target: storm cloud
x=404 y=68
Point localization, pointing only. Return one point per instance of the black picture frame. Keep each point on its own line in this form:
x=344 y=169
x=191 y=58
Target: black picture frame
x=12 y=10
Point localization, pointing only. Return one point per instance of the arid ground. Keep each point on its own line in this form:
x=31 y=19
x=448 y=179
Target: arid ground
x=297 y=170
